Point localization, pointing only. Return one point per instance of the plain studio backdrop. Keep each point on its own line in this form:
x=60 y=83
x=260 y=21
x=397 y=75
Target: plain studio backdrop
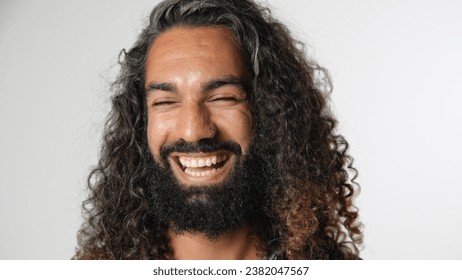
x=396 y=68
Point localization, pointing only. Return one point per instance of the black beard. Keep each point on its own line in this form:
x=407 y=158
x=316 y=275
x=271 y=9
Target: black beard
x=209 y=209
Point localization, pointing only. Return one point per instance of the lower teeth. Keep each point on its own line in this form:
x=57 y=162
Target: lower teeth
x=200 y=173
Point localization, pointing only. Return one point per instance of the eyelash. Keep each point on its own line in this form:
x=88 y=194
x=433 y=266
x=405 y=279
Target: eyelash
x=163 y=103
x=225 y=99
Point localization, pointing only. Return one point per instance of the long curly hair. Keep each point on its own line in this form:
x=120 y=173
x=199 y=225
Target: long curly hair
x=312 y=213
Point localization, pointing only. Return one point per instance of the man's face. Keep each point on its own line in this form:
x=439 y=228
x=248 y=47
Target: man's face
x=195 y=90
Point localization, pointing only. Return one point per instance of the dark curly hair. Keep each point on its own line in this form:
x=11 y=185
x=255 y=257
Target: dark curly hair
x=312 y=212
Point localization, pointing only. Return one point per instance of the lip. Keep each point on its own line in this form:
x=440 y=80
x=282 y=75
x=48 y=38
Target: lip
x=198 y=171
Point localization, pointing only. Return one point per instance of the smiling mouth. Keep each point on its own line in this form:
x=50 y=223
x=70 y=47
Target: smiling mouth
x=202 y=166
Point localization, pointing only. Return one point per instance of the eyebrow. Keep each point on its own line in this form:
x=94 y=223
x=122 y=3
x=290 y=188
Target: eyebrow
x=162 y=86
x=229 y=80
x=213 y=84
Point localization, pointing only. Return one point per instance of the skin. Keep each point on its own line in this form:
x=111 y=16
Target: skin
x=195 y=89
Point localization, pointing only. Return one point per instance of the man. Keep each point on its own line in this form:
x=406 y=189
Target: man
x=220 y=145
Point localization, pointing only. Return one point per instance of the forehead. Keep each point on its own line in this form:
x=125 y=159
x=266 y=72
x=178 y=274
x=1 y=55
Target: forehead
x=183 y=38
x=205 y=49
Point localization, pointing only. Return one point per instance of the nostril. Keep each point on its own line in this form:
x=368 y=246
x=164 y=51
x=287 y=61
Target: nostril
x=195 y=130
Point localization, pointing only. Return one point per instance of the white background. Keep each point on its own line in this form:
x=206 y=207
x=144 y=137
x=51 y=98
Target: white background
x=396 y=67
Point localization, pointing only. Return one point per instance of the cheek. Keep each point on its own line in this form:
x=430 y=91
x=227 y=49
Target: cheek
x=236 y=126
x=246 y=131
x=157 y=133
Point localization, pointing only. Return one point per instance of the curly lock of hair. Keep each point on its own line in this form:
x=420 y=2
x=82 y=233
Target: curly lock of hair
x=313 y=216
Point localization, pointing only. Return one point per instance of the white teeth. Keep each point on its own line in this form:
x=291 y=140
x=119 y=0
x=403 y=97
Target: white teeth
x=202 y=162
x=200 y=174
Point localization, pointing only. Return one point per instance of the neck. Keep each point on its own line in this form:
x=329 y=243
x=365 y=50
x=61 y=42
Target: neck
x=237 y=245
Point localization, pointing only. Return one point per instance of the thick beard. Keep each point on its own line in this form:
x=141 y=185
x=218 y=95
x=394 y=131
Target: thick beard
x=209 y=209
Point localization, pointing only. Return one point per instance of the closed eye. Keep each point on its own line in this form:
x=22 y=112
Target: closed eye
x=163 y=103
x=224 y=99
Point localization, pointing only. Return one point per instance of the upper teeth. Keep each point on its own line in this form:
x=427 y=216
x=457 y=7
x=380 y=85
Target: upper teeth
x=202 y=161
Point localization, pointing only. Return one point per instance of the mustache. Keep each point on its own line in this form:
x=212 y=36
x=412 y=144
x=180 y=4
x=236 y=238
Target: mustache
x=202 y=146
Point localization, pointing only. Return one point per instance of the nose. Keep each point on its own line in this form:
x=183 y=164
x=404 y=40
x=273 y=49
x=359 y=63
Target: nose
x=194 y=123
